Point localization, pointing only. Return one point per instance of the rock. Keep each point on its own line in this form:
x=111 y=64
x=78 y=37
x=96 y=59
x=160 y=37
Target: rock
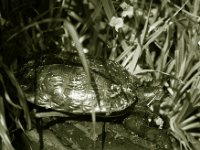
x=139 y=125
x=47 y=140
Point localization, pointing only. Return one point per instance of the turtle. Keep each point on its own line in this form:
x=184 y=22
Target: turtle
x=59 y=82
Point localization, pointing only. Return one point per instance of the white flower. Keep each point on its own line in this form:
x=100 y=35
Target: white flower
x=124 y=5
x=116 y=22
x=127 y=10
x=159 y=121
x=199 y=43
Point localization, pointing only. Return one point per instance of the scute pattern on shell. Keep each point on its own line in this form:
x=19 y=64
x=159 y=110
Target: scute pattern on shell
x=59 y=82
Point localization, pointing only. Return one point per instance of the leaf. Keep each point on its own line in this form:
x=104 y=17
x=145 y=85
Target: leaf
x=136 y=54
x=19 y=92
x=4 y=137
x=74 y=36
x=108 y=8
x=144 y=31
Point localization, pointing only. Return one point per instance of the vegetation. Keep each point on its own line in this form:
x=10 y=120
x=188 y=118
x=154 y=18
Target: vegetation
x=158 y=40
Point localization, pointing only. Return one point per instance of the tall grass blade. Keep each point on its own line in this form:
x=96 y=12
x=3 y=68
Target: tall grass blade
x=75 y=38
x=144 y=31
x=132 y=64
x=5 y=139
x=108 y=8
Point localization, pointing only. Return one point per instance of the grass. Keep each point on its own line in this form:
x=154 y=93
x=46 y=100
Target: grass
x=158 y=38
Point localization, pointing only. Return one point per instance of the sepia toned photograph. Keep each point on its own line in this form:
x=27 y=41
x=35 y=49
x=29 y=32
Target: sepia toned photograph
x=100 y=75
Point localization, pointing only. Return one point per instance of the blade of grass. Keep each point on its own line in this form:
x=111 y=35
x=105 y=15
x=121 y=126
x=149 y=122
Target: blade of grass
x=79 y=47
x=151 y=70
x=190 y=119
x=75 y=38
x=162 y=61
x=183 y=112
x=162 y=29
x=33 y=25
x=156 y=24
x=154 y=36
x=195 y=88
x=124 y=53
x=50 y=114
x=195 y=144
x=23 y=103
x=92 y=18
x=170 y=66
x=108 y=8
x=182 y=69
x=178 y=132
x=189 y=82
x=136 y=54
x=195 y=134
x=191 y=126
x=196 y=7
x=149 y=59
x=192 y=71
x=194 y=18
x=144 y=31
x=6 y=95
x=6 y=142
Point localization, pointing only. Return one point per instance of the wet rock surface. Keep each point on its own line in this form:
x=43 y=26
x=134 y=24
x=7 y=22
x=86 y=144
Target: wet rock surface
x=78 y=135
x=139 y=126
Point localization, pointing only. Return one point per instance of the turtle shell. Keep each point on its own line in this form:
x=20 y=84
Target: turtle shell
x=59 y=82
